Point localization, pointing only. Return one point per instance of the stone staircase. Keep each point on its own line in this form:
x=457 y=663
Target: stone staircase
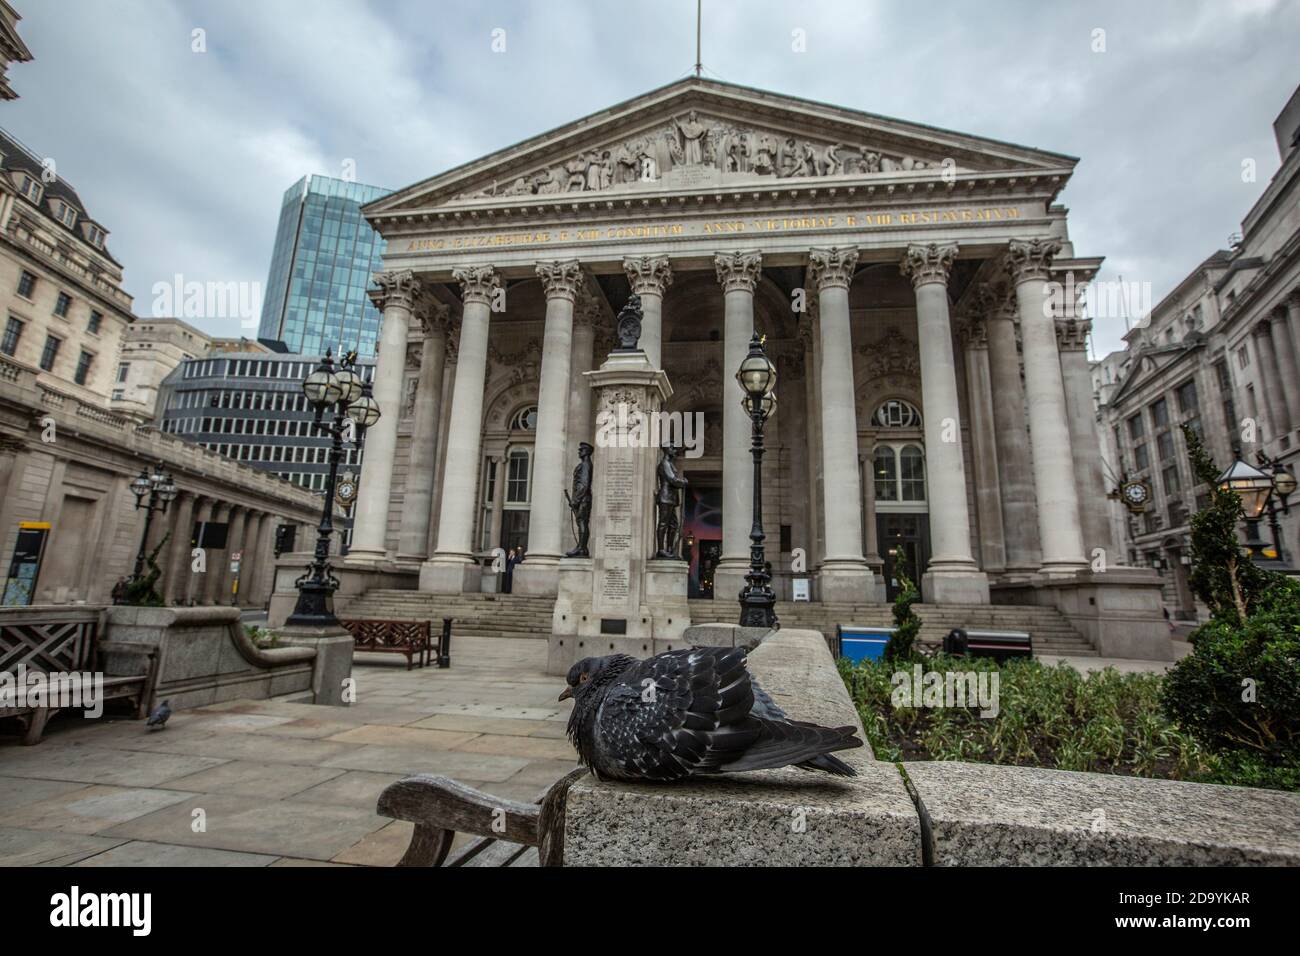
x=517 y=615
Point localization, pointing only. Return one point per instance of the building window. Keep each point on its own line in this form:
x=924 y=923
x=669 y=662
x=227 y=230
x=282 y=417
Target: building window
x=886 y=472
x=1243 y=357
x=1136 y=429
x=1160 y=414
x=899 y=473
x=896 y=413
x=1172 y=484
x=31 y=188
x=62 y=304
x=1141 y=459
x=84 y=362
x=122 y=371
x=95 y=235
x=13 y=332
x=50 y=352
x=1188 y=403
x=1165 y=445
x=26 y=284
x=517 y=476
x=524 y=420
x=96 y=319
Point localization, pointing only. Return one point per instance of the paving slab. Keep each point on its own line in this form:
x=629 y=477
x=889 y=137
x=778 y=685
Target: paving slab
x=530 y=747
x=447 y=763
x=127 y=768
x=255 y=779
x=143 y=853
x=18 y=792
x=404 y=737
x=354 y=788
x=383 y=847
x=255 y=825
x=89 y=809
x=19 y=847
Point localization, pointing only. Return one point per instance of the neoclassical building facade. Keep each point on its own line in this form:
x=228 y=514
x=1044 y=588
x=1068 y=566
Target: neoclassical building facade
x=917 y=291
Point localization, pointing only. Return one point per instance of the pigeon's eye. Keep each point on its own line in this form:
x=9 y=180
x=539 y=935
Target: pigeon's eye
x=583 y=677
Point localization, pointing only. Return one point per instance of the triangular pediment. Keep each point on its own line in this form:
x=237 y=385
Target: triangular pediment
x=699 y=134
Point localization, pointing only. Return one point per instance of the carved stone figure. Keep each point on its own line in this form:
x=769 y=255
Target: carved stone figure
x=580 y=503
x=692 y=133
x=668 y=501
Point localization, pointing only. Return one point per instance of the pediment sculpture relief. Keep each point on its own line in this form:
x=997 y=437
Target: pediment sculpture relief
x=711 y=146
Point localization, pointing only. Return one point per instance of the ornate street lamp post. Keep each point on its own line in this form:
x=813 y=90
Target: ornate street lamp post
x=757 y=378
x=1254 y=488
x=340 y=392
x=1284 y=485
x=154 y=490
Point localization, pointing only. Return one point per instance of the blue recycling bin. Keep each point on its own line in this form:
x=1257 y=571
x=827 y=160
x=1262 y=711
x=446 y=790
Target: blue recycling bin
x=862 y=642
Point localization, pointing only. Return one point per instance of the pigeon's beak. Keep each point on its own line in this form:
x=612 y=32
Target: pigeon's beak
x=568 y=694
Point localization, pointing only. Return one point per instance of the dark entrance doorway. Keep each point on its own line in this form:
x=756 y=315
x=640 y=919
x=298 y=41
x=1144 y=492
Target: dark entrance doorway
x=904 y=542
x=514 y=529
x=702 y=532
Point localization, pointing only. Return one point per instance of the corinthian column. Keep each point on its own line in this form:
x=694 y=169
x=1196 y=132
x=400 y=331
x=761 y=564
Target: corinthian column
x=585 y=316
x=844 y=575
x=1059 y=529
x=650 y=277
x=539 y=574
x=1072 y=342
x=738 y=274
x=417 y=500
x=979 y=398
x=1288 y=363
x=452 y=568
x=396 y=296
x=1011 y=434
x=952 y=576
x=1272 y=384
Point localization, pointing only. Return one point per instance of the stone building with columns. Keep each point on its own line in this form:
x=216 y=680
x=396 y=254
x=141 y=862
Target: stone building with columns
x=917 y=291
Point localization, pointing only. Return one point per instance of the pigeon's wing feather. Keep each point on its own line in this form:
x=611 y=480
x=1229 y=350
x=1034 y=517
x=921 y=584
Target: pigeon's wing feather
x=764 y=705
x=676 y=714
x=782 y=743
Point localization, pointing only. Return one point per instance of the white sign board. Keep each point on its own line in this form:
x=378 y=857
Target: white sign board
x=801 y=592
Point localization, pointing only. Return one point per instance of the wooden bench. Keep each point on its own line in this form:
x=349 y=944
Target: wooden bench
x=66 y=641
x=998 y=645
x=411 y=638
x=508 y=833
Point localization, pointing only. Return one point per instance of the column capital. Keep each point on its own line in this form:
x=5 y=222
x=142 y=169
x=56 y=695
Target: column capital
x=478 y=284
x=832 y=268
x=1292 y=299
x=561 y=279
x=738 y=271
x=649 y=275
x=1261 y=328
x=928 y=262
x=433 y=316
x=399 y=288
x=975 y=333
x=588 y=314
x=1072 y=334
x=1030 y=258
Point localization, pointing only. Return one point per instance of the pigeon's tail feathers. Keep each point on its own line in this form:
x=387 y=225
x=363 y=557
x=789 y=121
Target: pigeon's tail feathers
x=829 y=763
x=781 y=744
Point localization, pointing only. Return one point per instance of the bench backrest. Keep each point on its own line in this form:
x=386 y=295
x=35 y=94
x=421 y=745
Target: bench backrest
x=388 y=633
x=53 y=641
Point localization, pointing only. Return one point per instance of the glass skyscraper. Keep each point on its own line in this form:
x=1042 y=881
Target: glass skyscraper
x=325 y=253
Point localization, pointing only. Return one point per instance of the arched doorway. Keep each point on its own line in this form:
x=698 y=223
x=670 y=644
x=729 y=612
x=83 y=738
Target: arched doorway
x=899 y=491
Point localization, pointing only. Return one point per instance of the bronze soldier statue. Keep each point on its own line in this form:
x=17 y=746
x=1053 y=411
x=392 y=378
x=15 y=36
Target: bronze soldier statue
x=667 y=502
x=580 y=502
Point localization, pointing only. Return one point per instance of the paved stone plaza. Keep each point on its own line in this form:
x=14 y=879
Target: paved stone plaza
x=284 y=784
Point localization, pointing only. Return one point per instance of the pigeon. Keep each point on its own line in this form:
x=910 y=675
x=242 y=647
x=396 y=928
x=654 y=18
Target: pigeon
x=689 y=713
x=159 y=716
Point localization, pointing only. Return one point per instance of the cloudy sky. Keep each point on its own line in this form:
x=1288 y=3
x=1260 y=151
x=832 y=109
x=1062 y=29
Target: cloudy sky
x=185 y=156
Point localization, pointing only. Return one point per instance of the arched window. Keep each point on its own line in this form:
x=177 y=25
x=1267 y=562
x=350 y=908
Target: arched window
x=899 y=472
x=896 y=413
x=524 y=420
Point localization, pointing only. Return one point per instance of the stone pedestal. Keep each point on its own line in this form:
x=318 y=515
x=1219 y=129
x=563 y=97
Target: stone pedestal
x=333 y=646
x=450 y=575
x=1118 y=611
x=620 y=600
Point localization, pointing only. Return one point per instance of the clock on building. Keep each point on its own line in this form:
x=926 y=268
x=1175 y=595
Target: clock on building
x=346 y=491
x=1136 y=494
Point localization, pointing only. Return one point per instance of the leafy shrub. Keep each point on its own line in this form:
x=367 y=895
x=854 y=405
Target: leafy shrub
x=143 y=591
x=902 y=643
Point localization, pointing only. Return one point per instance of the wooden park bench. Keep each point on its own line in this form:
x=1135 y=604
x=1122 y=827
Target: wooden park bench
x=998 y=645
x=411 y=638
x=508 y=833
x=59 y=640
